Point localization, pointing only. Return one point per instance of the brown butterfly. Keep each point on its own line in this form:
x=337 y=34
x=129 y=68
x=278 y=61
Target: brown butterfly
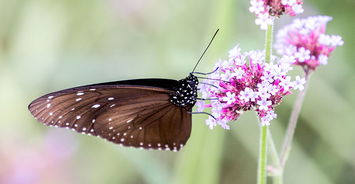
x=144 y=113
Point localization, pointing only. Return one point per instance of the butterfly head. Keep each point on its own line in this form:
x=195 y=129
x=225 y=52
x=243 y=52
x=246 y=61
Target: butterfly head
x=192 y=80
x=185 y=93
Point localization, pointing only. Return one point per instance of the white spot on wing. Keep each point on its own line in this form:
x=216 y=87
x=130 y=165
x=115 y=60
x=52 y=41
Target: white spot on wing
x=78 y=99
x=80 y=93
x=93 y=120
x=111 y=98
x=48 y=105
x=78 y=117
x=92 y=89
x=50 y=97
x=95 y=106
x=51 y=113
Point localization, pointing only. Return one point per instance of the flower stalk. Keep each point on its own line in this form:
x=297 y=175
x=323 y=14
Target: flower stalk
x=286 y=146
x=268 y=42
x=262 y=155
x=262 y=174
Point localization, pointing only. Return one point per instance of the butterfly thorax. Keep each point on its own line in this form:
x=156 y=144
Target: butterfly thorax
x=185 y=93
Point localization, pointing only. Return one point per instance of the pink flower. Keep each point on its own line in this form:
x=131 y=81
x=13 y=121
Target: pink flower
x=257 y=86
x=305 y=41
x=266 y=10
x=23 y=162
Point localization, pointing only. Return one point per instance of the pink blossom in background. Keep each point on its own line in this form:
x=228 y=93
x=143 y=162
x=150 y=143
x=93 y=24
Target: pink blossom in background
x=245 y=82
x=29 y=163
x=267 y=10
x=306 y=42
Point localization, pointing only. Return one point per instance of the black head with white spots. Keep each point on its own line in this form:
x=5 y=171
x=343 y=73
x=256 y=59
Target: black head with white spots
x=185 y=93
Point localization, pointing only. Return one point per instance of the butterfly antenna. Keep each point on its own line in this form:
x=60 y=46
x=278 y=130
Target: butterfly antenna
x=205 y=50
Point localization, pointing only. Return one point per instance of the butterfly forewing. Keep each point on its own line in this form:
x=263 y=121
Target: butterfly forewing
x=131 y=115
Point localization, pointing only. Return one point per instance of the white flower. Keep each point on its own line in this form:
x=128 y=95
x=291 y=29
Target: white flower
x=265 y=121
x=330 y=40
x=226 y=76
x=264 y=20
x=297 y=8
x=264 y=104
x=336 y=40
x=272 y=89
x=235 y=52
x=256 y=56
x=225 y=63
x=254 y=96
x=238 y=73
x=267 y=77
x=211 y=123
x=299 y=82
x=284 y=68
x=246 y=94
x=200 y=105
x=303 y=54
x=263 y=93
x=290 y=50
x=223 y=124
x=240 y=61
x=229 y=98
x=324 y=39
x=271 y=114
x=277 y=72
x=286 y=83
x=287 y=59
x=256 y=6
x=288 y=2
x=323 y=59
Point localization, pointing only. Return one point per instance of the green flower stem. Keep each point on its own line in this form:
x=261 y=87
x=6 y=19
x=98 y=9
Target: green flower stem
x=268 y=43
x=262 y=155
x=261 y=179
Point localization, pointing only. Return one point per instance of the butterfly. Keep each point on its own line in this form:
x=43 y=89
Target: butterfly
x=141 y=113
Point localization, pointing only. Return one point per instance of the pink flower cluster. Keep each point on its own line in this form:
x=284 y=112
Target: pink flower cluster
x=306 y=43
x=245 y=82
x=266 y=10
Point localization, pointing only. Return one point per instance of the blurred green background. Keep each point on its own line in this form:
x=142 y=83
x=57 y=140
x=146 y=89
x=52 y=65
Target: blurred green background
x=50 y=45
